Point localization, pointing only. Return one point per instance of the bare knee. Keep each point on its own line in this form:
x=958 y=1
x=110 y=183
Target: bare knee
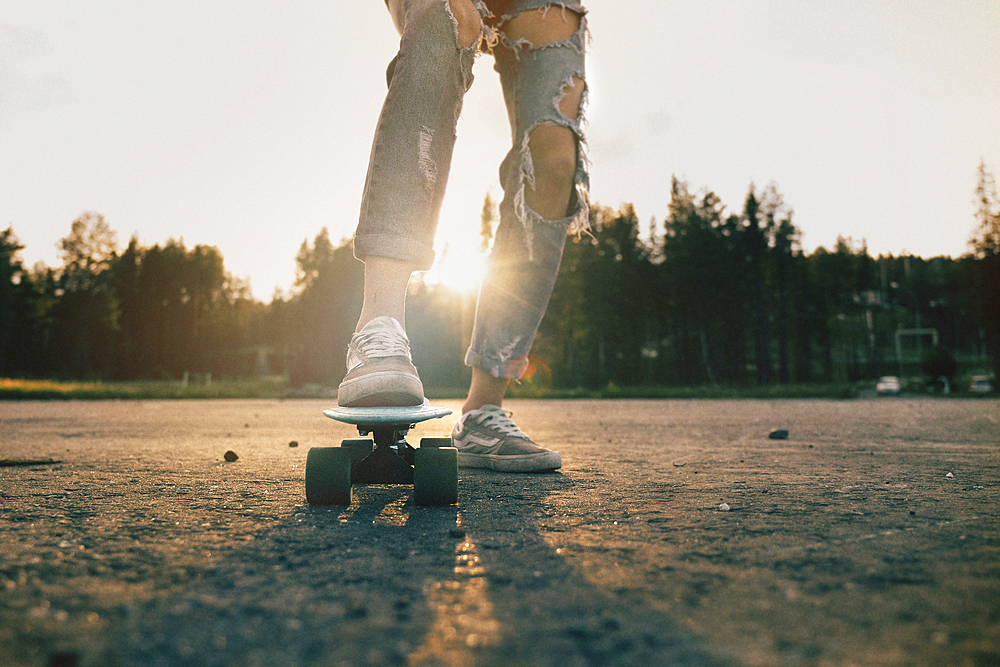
x=543 y=26
x=553 y=153
x=469 y=23
x=554 y=159
x=554 y=147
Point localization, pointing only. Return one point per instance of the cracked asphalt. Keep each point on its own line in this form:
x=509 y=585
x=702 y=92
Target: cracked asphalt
x=871 y=536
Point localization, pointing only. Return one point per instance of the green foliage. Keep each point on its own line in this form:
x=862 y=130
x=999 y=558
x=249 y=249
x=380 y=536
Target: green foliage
x=314 y=326
x=84 y=309
x=986 y=238
x=87 y=252
x=986 y=246
x=181 y=311
x=14 y=302
x=144 y=313
x=707 y=302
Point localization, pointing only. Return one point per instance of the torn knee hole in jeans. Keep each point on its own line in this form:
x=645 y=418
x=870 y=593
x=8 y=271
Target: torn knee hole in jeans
x=570 y=159
x=577 y=220
x=520 y=33
x=467 y=22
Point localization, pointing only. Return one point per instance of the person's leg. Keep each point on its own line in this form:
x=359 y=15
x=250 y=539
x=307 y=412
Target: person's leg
x=553 y=147
x=386 y=280
x=413 y=144
x=540 y=60
x=407 y=174
x=485 y=390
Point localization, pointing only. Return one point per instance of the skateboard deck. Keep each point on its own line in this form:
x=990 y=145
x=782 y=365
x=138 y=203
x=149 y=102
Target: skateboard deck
x=385 y=458
x=372 y=417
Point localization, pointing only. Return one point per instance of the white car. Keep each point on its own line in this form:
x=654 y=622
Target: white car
x=888 y=385
x=980 y=385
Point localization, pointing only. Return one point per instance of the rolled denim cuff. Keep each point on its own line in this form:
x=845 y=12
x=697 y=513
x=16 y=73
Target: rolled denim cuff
x=511 y=369
x=382 y=245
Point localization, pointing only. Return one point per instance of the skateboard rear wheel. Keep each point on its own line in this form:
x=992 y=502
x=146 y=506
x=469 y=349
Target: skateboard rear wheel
x=435 y=475
x=328 y=476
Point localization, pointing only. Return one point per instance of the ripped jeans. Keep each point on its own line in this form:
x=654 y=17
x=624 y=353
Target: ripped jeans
x=411 y=156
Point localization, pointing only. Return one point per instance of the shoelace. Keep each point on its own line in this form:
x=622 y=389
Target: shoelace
x=381 y=343
x=500 y=420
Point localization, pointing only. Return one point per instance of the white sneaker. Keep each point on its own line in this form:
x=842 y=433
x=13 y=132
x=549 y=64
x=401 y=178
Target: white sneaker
x=487 y=438
x=380 y=372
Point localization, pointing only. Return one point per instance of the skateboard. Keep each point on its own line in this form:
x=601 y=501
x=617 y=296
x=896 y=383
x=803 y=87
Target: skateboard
x=384 y=458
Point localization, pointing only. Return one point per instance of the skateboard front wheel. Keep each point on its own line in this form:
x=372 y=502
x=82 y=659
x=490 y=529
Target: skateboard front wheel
x=328 y=476
x=435 y=475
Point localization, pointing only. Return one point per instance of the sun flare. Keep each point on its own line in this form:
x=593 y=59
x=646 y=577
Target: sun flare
x=458 y=268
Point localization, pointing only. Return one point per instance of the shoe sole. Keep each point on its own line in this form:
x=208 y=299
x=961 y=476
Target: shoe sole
x=385 y=389
x=541 y=462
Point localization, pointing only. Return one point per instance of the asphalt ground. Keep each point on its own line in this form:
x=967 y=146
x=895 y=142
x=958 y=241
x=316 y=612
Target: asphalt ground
x=871 y=536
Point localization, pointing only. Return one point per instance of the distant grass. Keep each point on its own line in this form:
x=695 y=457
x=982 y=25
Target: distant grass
x=15 y=389
x=612 y=391
x=276 y=387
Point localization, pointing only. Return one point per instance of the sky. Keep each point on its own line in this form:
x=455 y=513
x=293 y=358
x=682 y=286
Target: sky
x=247 y=124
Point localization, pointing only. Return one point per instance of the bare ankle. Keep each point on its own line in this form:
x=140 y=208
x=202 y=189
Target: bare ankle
x=386 y=281
x=485 y=390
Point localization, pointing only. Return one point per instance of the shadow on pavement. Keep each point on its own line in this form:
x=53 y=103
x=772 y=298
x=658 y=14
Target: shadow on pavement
x=384 y=582
x=547 y=612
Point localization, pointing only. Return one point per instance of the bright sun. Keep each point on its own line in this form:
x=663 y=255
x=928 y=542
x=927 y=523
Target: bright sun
x=458 y=268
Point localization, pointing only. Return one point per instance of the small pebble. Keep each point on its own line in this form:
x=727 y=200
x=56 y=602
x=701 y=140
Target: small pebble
x=949 y=475
x=780 y=434
x=293 y=443
x=724 y=507
x=230 y=456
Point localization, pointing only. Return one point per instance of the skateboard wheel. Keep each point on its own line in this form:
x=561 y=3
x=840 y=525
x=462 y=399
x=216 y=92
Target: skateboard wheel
x=328 y=476
x=359 y=448
x=436 y=442
x=435 y=475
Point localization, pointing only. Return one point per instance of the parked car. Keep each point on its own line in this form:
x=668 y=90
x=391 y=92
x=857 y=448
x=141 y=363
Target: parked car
x=888 y=385
x=980 y=384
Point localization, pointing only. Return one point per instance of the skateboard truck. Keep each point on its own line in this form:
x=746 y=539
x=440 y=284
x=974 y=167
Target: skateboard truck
x=391 y=460
x=384 y=458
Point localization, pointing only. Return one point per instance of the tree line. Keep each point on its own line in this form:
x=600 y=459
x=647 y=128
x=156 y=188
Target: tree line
x=704 y=296
x=732 y=299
